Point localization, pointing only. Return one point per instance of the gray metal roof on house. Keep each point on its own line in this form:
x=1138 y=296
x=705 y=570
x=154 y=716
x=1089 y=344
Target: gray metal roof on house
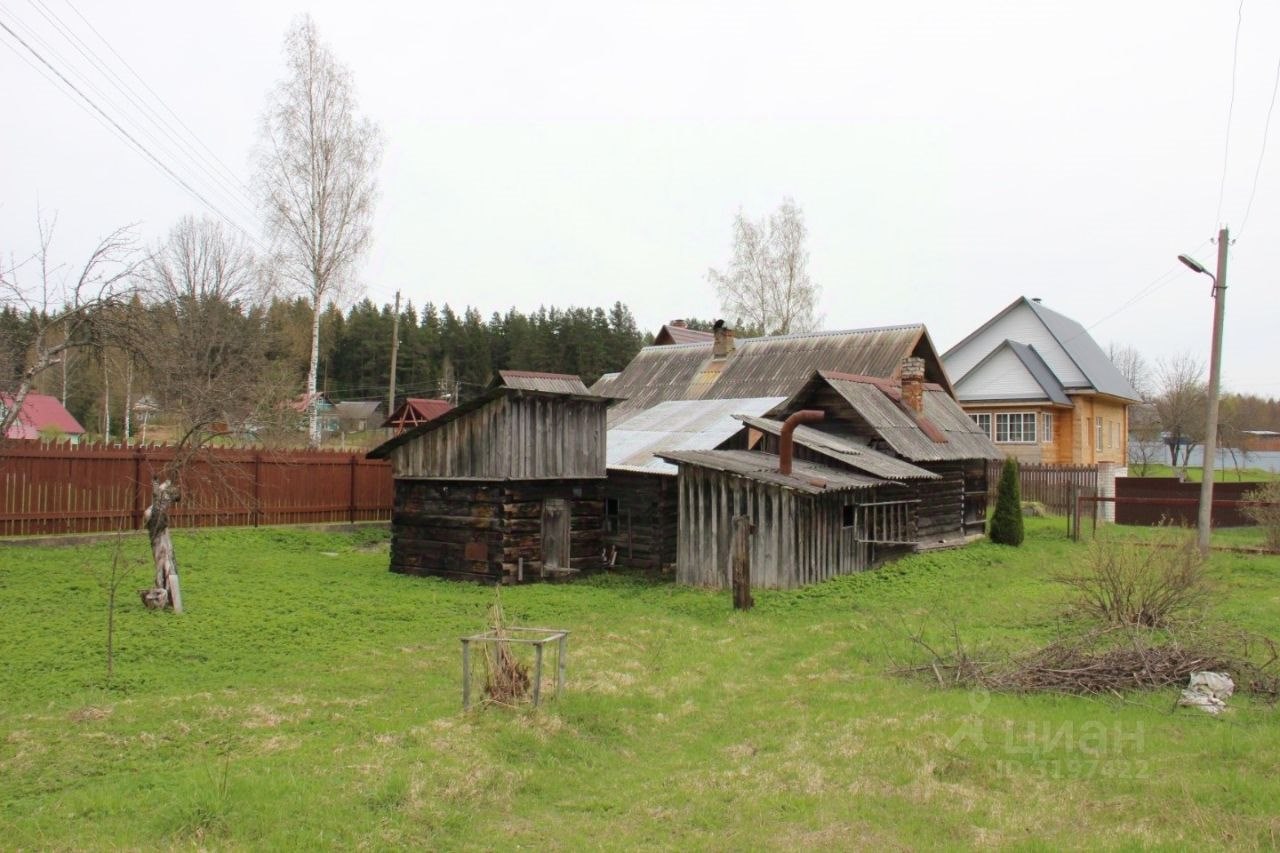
x=846 y=450
x=1102 y=375
x=805 y=477
x=1036 y=367
x=530 y=380
x=357 y=409
x=603 y=386
x=903 y=432
x=677 y=425
x=767 y=366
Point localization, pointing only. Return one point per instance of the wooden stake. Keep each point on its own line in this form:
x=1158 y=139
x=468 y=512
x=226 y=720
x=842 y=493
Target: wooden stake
x=741 y=561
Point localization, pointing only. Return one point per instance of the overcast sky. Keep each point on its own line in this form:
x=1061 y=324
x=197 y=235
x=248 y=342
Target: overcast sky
x=948 y=156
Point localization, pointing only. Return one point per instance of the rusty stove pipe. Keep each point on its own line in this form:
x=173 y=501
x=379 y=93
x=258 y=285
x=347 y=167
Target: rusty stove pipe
x=804 y=416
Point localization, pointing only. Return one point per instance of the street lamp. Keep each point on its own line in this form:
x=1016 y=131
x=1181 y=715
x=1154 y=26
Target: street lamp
x=1219 y=294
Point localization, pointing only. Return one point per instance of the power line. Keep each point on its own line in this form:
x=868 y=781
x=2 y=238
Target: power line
x=1226 y=145
x=127 y=135
x=1266 y=129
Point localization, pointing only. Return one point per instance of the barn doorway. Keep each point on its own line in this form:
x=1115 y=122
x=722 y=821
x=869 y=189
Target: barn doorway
x=555 y=535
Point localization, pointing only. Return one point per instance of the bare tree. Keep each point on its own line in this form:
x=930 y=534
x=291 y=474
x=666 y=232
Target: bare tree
x=66 y=310
x=317 y=162
x=1180 y=404
x=767 y=283
x=204 y=353
x=1132 y=366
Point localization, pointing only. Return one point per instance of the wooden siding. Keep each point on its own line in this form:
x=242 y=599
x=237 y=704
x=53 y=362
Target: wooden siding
x=490 y=532
x=799 y=539
x=646 y=525
x=513 y=437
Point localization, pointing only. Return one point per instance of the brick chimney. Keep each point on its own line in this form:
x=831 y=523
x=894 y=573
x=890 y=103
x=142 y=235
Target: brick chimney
x=678 y=324
x=722 y=347
x=913 y=384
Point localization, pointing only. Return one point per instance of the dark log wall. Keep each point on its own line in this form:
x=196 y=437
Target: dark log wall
x=482 y=531
x=940 y=513
x=513 y=437
x=646 y=526
x=799 y=538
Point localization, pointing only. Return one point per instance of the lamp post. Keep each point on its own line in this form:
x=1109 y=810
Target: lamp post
x=1215 y=380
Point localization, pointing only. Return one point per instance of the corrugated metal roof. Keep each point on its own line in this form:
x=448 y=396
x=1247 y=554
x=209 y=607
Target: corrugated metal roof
x=900 y=430
x=763 y=467
x=530 y=380
x=1039 y=371
x=677 y=425
x=846 y=450
x=766 y=366
x=1085 y=352
x=681 y=335
x=603 y=386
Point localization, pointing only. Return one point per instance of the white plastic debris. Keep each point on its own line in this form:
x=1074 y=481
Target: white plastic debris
x=1208 y=691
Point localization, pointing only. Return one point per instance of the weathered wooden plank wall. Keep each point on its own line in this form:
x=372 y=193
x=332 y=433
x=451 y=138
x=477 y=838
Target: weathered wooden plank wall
x=646 y=525
x=54 y=489
x=513 y=437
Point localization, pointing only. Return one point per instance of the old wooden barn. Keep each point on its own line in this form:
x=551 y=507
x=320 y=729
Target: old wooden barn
x=847 y=473
x=506 y=488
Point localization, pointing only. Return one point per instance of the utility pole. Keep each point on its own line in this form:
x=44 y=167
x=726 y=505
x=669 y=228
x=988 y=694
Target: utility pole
x=1215 y=381
x=395 y=350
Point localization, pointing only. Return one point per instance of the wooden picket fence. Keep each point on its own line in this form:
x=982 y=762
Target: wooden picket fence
x=1051 y=485
x=52 y=489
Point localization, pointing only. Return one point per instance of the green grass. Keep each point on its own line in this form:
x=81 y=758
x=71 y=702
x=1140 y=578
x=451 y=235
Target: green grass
x=1230 y=474
x=309 y=698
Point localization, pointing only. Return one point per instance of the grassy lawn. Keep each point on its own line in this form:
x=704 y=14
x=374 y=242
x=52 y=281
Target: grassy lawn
x=1244 y=474
x=309 y=698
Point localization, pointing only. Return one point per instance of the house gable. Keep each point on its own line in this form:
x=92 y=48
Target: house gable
x=1012 y=372
x=1019 y=322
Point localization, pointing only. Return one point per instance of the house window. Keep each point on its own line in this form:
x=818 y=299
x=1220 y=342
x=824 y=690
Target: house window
x=846 y=519
x=983 y=420
x=1097 y=430
x=1047 y=432
x=1016 y=427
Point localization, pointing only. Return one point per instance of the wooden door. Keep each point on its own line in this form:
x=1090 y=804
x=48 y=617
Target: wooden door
x=555 y=534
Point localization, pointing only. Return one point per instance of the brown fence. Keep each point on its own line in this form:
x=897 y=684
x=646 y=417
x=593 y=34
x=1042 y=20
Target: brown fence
x=47 y=489
x=1052 y=485
x=1183 y=502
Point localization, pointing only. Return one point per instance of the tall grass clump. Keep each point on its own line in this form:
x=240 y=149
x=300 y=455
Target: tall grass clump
x=1006 y=523
x=1266 y=512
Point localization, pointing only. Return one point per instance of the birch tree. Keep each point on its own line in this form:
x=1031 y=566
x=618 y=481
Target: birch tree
x=316 y=168
x=766 y=284
x=67 y=309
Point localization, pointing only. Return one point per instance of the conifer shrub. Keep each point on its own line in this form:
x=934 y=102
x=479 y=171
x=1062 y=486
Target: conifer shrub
x=1006 y=523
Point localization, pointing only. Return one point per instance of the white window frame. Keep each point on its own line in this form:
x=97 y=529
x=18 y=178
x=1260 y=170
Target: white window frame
x=1022 y=420
x=1046 y=428
x=977 y=418
x=1097 y=434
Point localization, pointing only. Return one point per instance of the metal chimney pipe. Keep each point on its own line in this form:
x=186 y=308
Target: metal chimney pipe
x=804 y=416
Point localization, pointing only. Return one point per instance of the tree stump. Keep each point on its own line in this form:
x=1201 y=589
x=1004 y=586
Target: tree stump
x=167 y=591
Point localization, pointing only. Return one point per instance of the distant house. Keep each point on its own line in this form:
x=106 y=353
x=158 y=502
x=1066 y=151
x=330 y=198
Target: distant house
x=678 y=332
x=326 y=411
x=359 y=415
x=505 y=488
x=1042 y=388
x=41 y=417
x=892 y=466
x=416 y=411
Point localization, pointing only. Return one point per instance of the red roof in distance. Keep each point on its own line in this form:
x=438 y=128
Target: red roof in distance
x=40 y=412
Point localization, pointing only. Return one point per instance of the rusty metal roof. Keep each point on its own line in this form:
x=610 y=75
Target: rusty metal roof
x=767 y=366
x=673 y=334
x=632 y=445
x=846 y=449
x=903 y=431
x=531 y=380
x=805 y=477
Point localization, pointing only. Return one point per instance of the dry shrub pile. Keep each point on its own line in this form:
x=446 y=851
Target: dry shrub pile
x=506 y=677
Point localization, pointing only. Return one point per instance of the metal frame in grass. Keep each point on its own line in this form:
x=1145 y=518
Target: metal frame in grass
x=536 y=637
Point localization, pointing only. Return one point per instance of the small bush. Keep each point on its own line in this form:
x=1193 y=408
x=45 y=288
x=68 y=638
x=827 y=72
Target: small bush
x=1266 y=517
x=1006 y=523
x=1141 y=583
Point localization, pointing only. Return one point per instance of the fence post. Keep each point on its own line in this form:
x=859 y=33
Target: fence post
x=137 y=488
x=352 y=511
x=257 y=487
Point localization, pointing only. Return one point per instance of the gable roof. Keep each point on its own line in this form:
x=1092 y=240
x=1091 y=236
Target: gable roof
x=357 y=409
x=943 y=432
x=636 y=443
x=1099 y=373
x=532 y=380
x=38 y=412
x=416 y=410
x=1037 y=371
x=673 y=334
x=767 y=366
x=844 y=449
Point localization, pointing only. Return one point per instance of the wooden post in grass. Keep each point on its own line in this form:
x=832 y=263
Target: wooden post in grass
x=740 y=555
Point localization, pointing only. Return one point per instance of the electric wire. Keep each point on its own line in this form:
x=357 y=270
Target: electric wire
x=1231 y=104
x=1266 y=130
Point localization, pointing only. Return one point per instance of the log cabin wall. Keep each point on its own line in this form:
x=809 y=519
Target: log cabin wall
x=799 y=538
x=515 y=436
x=491 y=532
x=641 y=518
